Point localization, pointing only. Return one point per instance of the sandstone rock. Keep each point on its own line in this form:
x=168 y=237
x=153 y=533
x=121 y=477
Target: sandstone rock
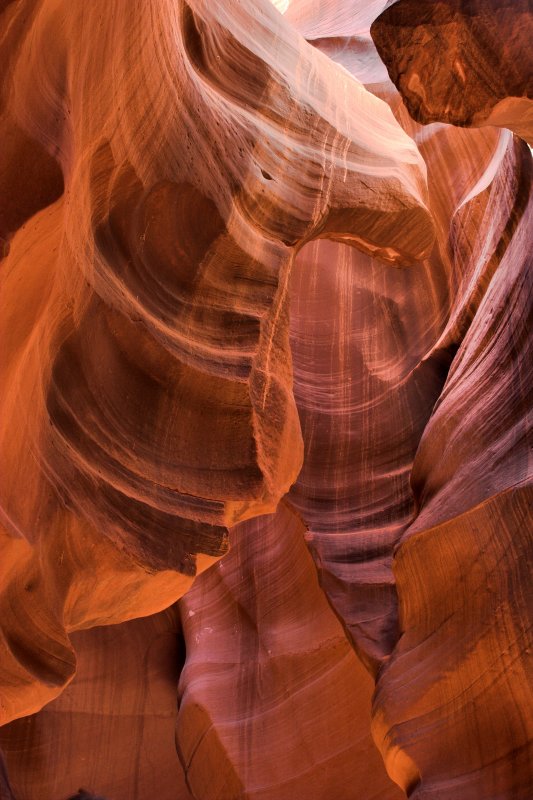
x=189 y=338
x=273 y=701
x=112 y=730
x=149 y=373
x=468 y=63
x=464 y=659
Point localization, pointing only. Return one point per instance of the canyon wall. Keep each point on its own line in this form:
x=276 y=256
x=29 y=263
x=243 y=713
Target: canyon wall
x=265 y=309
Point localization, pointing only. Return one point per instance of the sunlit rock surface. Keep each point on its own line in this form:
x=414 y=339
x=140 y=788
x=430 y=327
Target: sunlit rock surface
x=271 y=692
x=248 y=302
x=149 y=370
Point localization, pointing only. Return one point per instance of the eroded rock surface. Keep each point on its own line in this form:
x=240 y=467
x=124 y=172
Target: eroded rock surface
x=468 y=63
x=149 y=372
x=110 y=734
x=236 y=272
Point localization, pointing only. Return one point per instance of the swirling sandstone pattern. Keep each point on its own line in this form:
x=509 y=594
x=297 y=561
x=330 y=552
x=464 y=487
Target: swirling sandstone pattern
x=150 y=400
x=171 y=172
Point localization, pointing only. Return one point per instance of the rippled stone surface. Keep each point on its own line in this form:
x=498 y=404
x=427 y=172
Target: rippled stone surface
x=149 y=371
x=249 y=303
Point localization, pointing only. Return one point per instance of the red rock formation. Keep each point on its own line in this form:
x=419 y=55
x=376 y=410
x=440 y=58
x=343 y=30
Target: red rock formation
x=112 y=729
x=150 y=399
x=479 y=194
x=158 y=269
x=465 y=62
x=273 y=701
x=464 y=660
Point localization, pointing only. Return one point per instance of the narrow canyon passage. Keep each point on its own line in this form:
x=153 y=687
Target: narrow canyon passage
x=265 y=434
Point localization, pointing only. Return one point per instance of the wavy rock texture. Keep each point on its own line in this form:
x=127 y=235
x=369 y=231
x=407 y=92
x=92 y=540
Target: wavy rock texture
x=189 y=165
x=150 y=401
x=468 y=63
x=466 y=623
x=273 y=701
x=382 y=364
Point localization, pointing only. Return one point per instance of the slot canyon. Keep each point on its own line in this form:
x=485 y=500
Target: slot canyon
x=266 y=448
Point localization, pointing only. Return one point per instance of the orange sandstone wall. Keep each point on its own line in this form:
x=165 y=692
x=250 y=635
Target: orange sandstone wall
x=267 y=349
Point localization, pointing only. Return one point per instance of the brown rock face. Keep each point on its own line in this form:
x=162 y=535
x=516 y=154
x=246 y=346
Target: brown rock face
x=466 y=622
x=468 y=62
x=266 y=422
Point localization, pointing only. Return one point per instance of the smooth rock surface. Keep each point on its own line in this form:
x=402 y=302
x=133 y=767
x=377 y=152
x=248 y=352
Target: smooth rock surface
x=111 y=732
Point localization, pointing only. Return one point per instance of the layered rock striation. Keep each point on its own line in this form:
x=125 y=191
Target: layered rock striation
x=149 y=373
x=248 y=302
